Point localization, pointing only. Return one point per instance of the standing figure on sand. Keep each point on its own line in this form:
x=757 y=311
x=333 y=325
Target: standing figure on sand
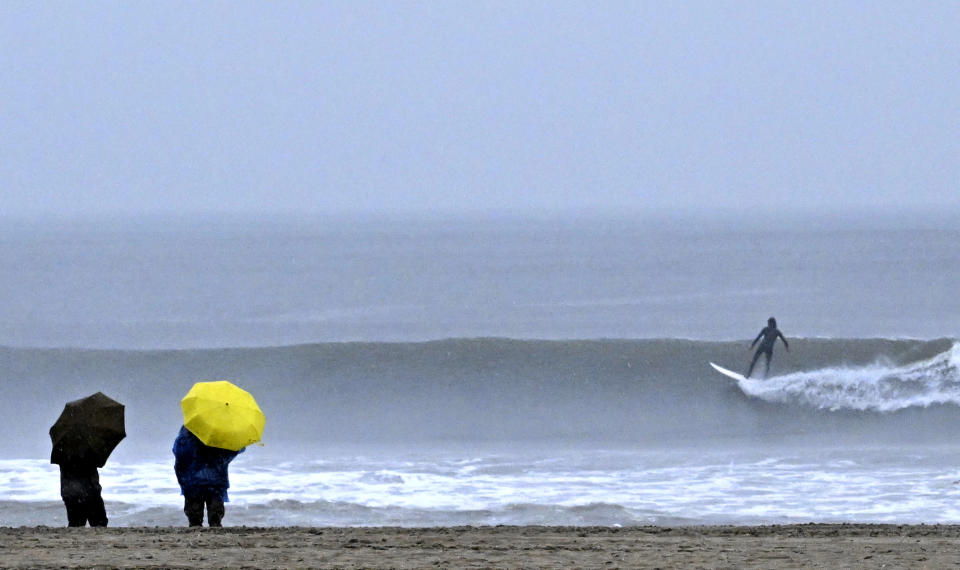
x=202 y=474
x=83 y=437
x=767 y=337
x=81 y=493
x=220 y=420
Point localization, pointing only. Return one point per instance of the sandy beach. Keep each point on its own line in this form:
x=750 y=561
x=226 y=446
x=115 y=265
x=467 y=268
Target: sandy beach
x=788 y=546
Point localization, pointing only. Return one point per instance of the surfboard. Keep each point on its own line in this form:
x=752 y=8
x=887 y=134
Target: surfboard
x=728 y=373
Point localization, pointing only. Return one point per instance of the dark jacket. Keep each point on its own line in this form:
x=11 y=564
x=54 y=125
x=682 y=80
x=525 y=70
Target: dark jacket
x=79 y=481
x=201 y=469
x=769 y=335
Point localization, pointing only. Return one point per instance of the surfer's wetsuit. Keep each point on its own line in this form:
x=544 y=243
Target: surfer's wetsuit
x=769 y=336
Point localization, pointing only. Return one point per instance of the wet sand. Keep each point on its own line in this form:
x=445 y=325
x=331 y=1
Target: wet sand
x=789 y=546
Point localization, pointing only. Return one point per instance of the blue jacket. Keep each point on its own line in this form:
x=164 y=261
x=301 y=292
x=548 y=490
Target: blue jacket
x=201 y=469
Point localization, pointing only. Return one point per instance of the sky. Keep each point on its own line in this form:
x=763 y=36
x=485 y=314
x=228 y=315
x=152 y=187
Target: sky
x=458 y=106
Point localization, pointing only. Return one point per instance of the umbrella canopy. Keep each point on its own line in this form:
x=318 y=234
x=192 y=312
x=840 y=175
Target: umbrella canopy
x=87 y=431
x=222 y=415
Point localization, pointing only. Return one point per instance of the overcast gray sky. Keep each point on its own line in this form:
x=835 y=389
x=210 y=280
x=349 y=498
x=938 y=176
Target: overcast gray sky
x=141 y=107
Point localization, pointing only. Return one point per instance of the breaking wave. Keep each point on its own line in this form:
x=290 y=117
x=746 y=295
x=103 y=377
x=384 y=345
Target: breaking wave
x=881 y=386
x=651 y=391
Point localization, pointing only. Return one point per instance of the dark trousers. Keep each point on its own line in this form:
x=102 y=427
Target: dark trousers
x=768 y=352
x=193 y=508
x=80 y=511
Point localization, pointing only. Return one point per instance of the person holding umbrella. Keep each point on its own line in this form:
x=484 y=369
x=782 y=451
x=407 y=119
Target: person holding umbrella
x=202 y=474
x=83 y=437
x=220 y=420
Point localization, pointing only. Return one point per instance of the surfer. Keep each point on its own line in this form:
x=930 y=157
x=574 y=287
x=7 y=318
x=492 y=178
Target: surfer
x=767 y=337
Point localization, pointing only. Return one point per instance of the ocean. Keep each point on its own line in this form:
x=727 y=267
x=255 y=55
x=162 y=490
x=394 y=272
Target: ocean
x=496 y=371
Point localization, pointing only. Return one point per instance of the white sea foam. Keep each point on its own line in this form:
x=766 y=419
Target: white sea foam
x=877 y=387
x=598 y=487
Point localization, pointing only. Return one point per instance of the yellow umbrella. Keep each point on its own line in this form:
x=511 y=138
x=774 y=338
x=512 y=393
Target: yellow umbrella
x=222 y=415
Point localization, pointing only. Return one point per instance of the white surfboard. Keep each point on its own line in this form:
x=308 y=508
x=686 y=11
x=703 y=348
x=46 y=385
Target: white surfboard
x=728 y=373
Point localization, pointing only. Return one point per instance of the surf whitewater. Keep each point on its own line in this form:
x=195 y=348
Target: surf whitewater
x=884 y=385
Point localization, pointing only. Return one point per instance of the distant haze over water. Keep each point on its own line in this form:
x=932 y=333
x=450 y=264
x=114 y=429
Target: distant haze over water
x=155 y=283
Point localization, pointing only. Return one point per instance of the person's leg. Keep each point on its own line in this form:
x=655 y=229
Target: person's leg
x=756 y=355
x=193 y=508
x=96 y=512
x=76 y=513
x=215 y=510
x=766 y=370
